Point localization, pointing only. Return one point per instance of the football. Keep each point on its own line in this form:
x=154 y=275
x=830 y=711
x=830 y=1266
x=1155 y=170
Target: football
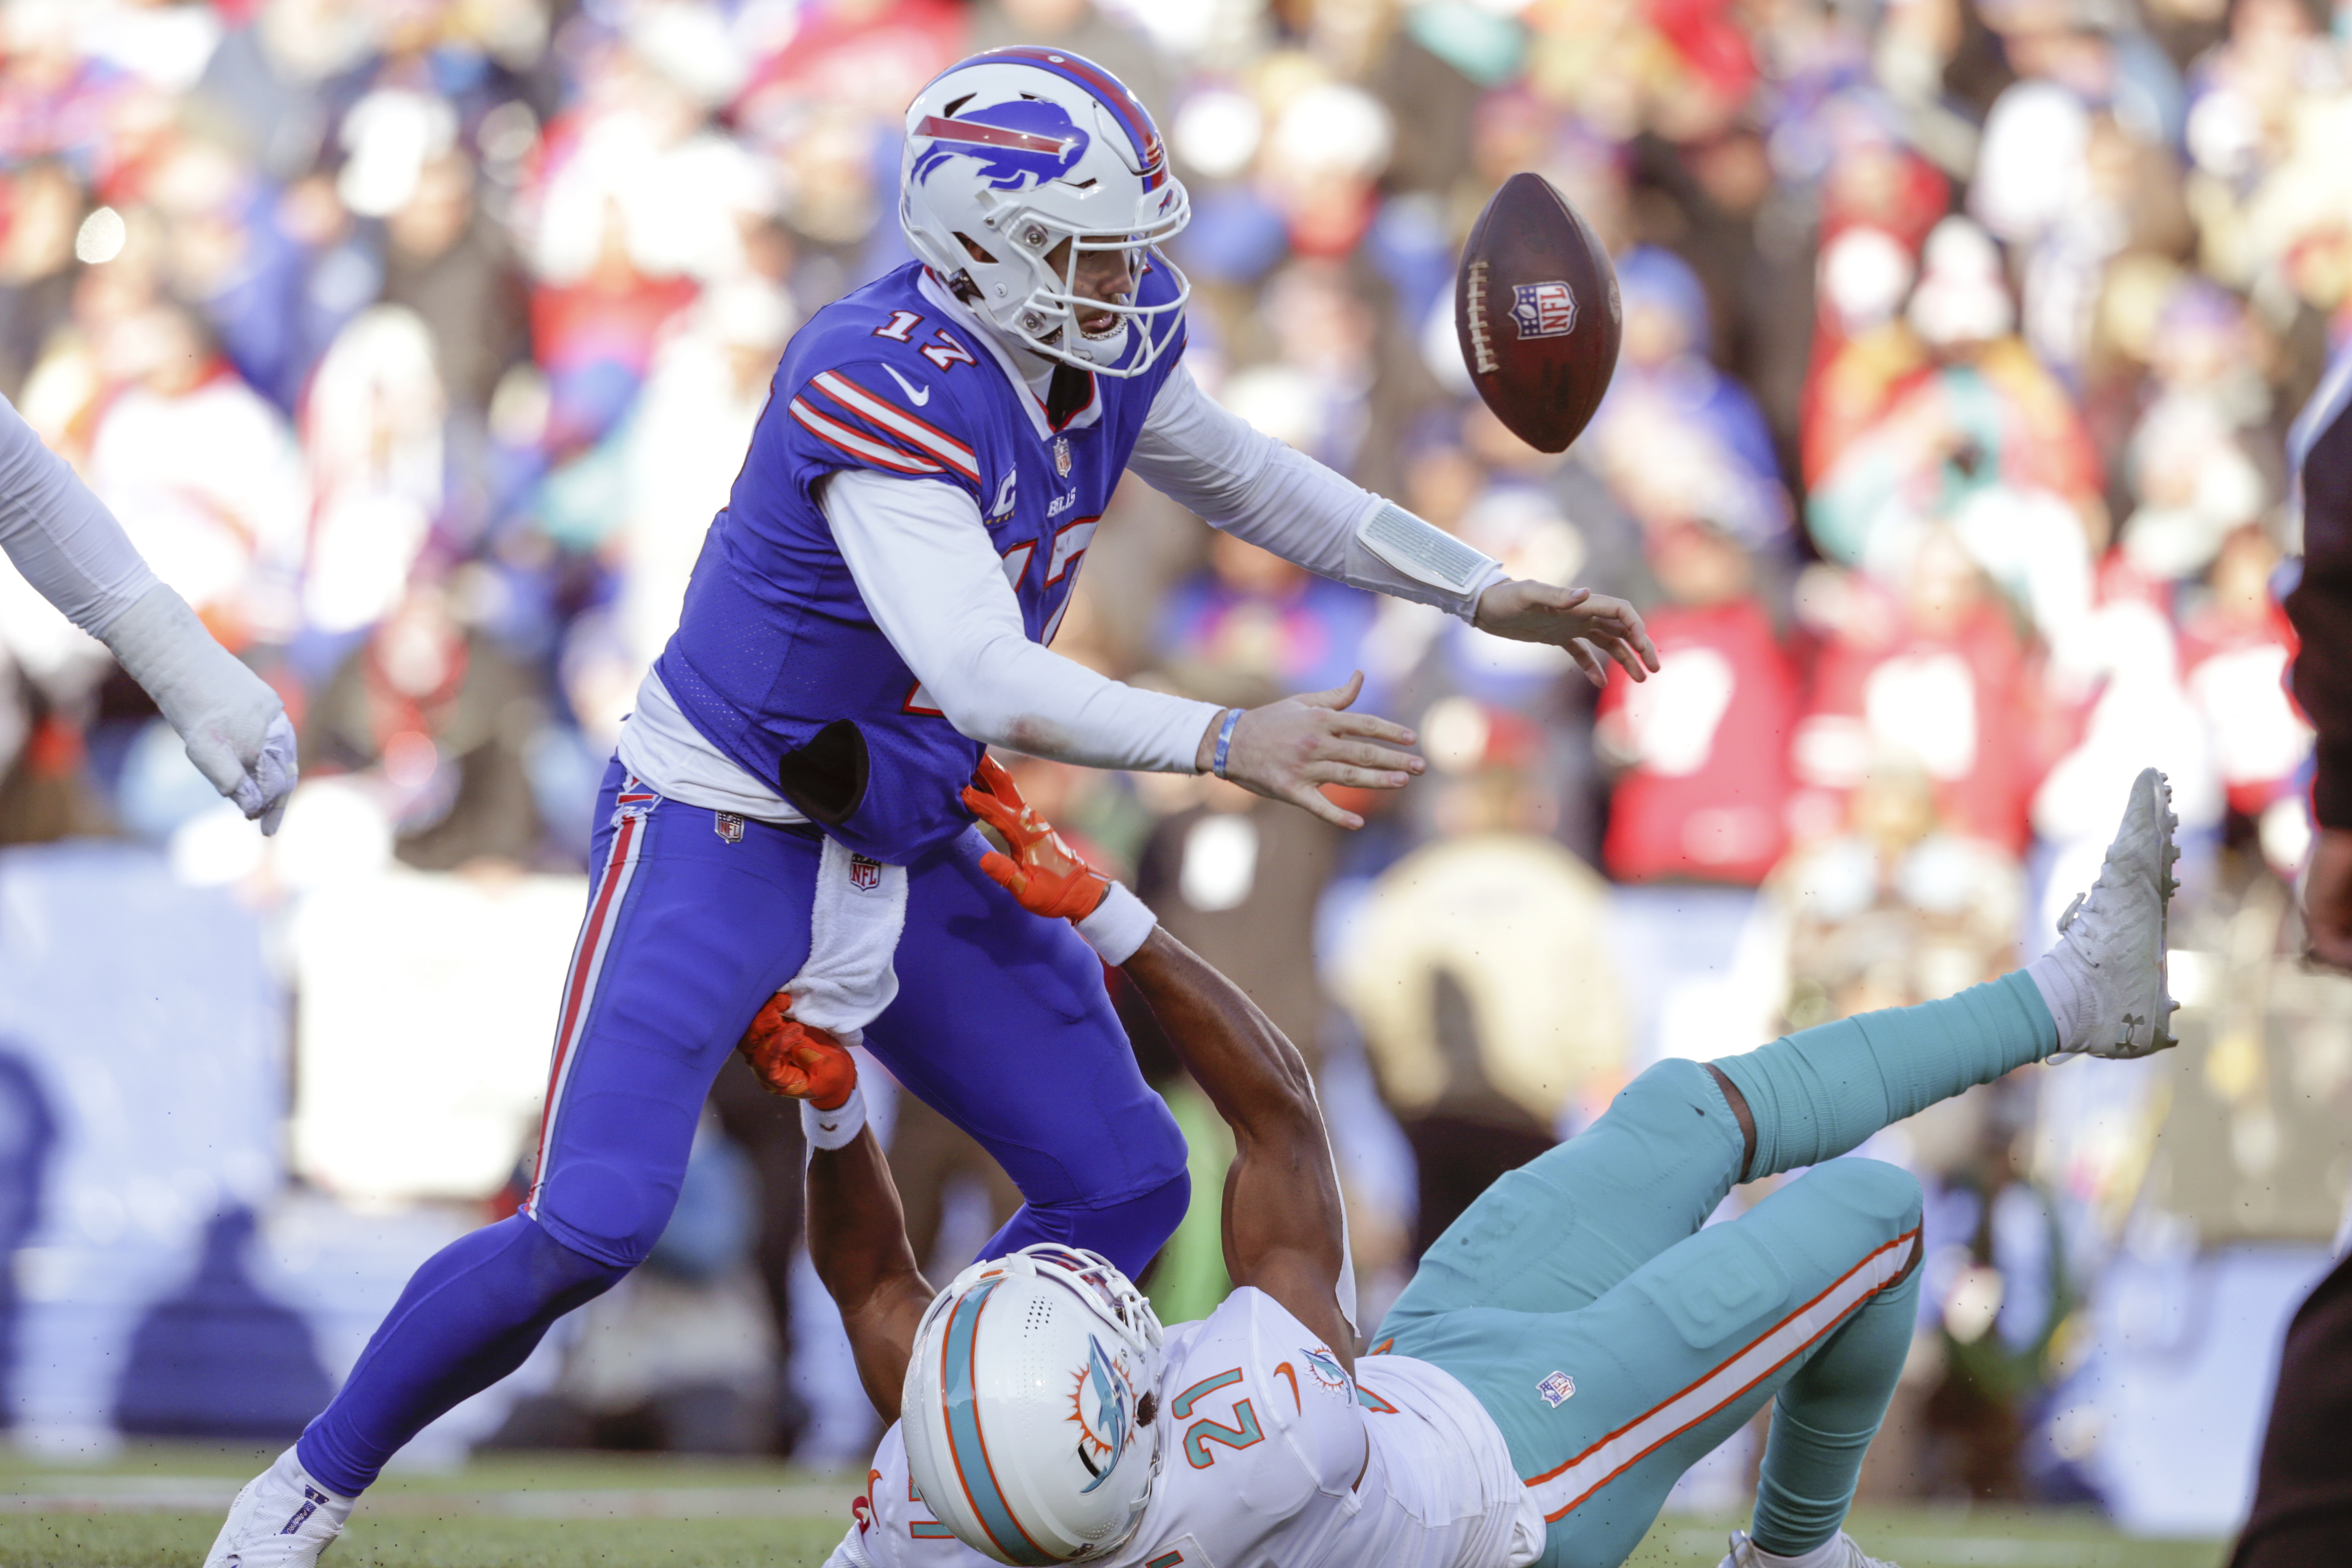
x=1535 y=304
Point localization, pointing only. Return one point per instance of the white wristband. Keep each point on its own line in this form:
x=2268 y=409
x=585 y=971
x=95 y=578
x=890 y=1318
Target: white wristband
x=836 y=1128
x=1120 y=923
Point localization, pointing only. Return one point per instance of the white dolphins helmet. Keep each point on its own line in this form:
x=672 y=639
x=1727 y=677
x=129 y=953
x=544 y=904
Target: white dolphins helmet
x=1011 y=152
x=1028 y=1410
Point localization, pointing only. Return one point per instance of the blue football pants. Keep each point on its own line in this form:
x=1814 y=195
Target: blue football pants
x=1616 y=1342
x=1002 y=1023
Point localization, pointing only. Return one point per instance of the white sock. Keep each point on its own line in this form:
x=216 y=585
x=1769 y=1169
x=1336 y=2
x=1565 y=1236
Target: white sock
x=2064 y=980
x=1825 y=1555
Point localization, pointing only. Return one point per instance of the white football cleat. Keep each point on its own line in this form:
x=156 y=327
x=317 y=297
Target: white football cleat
x=2116 y=931
x=1840 y=1551
x=282 y=1518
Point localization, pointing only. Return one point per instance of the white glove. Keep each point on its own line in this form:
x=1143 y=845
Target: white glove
x=235 y=728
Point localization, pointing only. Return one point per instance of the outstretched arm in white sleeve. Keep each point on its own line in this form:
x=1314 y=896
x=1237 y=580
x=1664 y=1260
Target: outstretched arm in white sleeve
x=68 y=546
x=1210 y=459
x=922 y=561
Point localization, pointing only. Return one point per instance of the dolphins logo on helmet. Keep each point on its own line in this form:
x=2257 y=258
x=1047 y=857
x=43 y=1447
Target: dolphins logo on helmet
x=1106 y=1431
x=1018 y=144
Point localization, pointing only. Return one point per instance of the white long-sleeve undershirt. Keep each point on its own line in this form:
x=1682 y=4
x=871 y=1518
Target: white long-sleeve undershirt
x=933 y=582
x=60 y=536
x=1216 y=463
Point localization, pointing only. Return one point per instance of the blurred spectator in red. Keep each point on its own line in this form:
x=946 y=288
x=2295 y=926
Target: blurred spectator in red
x=2236 y=645
x=1704 y=743
x=205 y=474
x=1935 y=674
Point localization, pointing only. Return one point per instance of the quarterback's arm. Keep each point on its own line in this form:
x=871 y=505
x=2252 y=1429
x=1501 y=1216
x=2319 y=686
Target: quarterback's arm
x=923 y=563
x=72 y=549
x=1254 y=487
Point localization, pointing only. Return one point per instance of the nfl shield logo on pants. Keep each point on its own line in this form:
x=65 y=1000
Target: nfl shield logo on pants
x=728 y=825
x=864 y=874
x=1557 y=1389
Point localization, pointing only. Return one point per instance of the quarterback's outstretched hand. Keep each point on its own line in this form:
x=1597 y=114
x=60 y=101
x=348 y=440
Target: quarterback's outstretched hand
x=1576 y=619
x=796 y=1061
x=1283 y=750
x=1043 y=871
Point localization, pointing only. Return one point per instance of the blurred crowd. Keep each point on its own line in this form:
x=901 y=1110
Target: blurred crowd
x=415 y=342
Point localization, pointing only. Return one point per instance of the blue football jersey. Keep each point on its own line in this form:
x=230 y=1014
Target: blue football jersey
x=776 y=660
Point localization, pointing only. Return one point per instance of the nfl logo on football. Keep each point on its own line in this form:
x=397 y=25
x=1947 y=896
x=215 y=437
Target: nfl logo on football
x=864 y=874
x=1543 y=310
x=1062 y=458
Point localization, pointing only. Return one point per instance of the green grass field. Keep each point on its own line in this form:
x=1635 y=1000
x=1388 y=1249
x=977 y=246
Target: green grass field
x=156 y=1506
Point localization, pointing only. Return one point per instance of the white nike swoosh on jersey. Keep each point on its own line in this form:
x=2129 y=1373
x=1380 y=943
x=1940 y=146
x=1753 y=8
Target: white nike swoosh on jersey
x=913 y=396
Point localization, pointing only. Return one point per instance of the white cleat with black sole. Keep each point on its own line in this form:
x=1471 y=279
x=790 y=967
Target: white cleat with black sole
x=2112 y=939
x=1838 y=1551
x=282 y=1518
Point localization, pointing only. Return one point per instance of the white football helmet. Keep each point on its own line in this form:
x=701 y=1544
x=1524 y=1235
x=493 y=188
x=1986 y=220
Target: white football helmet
x=1013 y=152
x=1028 y=1411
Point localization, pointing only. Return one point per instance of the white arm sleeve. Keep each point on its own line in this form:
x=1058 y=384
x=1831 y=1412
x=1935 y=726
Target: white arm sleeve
x=922 y=562
x=1245 y=482
x=60 y=536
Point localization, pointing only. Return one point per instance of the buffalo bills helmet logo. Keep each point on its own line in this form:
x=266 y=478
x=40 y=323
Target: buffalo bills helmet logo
x=1018 y=145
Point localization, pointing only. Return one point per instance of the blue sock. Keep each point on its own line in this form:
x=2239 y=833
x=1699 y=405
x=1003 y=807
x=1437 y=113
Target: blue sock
x=1820 y=1092
x=472 y=1314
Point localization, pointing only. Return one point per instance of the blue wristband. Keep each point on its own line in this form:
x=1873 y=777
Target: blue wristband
x=1225 y=741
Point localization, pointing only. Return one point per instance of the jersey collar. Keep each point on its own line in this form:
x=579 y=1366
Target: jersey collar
x=932 y=289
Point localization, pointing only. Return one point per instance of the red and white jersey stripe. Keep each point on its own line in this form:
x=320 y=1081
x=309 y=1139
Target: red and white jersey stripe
x=857 y=443
x=933 y=441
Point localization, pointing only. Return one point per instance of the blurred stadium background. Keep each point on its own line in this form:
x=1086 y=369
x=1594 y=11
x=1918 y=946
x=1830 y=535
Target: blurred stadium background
x=415 y=342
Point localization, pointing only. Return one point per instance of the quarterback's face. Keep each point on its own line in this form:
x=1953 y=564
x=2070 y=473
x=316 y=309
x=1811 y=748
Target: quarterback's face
x=1107 y=275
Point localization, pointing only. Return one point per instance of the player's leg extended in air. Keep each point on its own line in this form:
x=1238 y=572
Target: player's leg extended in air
x=1616 y=1342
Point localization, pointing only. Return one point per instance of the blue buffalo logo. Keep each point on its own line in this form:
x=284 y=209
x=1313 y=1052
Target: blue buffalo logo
x=1019 y=145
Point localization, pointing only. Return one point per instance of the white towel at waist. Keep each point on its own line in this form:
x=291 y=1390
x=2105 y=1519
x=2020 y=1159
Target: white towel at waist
x=854 y=925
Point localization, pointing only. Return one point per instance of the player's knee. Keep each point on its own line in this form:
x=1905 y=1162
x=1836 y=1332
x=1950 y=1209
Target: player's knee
x=1887 y=1193
x=565 y=1274
x=1131 y=1230
x=1667 y=1097
x=606 y=1213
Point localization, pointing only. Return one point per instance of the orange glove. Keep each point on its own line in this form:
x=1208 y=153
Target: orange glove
x=1045 y=873
x=795 y=1060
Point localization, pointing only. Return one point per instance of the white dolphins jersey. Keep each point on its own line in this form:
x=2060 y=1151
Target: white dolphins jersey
x=1261 y=1438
